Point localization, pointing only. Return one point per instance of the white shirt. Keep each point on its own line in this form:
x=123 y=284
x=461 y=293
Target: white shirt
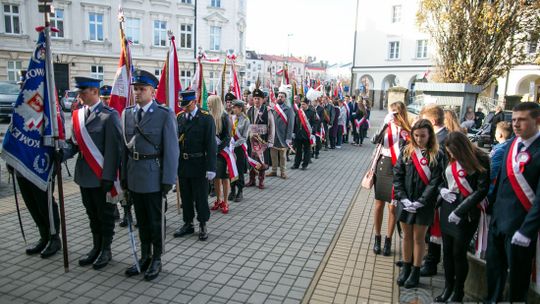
x=192 y=113
x=529 y=141
x=144 y=108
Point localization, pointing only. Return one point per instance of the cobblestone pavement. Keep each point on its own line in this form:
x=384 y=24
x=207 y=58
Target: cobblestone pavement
x=269 y=248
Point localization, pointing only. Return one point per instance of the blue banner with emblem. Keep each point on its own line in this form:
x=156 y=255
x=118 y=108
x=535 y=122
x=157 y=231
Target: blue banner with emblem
x=24 y=145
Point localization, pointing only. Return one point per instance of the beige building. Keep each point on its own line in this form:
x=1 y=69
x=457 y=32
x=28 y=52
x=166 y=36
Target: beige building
x=89 y=41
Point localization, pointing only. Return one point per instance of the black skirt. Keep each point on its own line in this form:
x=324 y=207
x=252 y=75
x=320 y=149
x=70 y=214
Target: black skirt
x=424 y=216
x=221 y=167
x=384 y=178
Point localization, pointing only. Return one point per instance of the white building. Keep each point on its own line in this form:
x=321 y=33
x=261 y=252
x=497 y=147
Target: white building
x=89 y=41
x=391 y=51
x=266 y=68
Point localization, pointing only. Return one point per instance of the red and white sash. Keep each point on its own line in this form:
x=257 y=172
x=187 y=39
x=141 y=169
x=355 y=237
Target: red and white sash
x=392 y=140
x=422 y=165
x=305 y=125
x=360 y=122
x=465 y=189
x=281 y=113
x=252 y=162
x=229 y=157
x=515 y=165
x=90 y=151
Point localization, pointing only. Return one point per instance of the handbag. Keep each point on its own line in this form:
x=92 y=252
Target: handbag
x=367 y=181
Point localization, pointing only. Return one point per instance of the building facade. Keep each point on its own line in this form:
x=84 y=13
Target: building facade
x=266 y=67
x=88 y=41
x=391 y=51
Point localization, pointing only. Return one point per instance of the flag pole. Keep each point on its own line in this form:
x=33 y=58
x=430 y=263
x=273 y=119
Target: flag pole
x=46 y=8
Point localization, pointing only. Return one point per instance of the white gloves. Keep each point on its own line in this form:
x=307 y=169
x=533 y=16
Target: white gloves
x=270 y=145
x=388 y=117
x=406 y=202
x=288 y=142
x=210 y=175
x=448 y=196
x=520 y=240
x=453 y=218
x=412 y=207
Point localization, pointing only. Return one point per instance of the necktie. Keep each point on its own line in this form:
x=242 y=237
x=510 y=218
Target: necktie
x=520 y=146
x=139 y=115
x=86 y=113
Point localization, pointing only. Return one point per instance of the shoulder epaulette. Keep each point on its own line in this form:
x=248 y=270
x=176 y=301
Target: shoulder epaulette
x=130 y=107
x=180 y=113
x=108 y=108
x=163 y=107
x=204 y=112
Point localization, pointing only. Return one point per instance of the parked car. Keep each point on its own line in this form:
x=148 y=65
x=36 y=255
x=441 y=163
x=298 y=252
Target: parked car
x=69 y=98
x=482 y=136
x=9 y=91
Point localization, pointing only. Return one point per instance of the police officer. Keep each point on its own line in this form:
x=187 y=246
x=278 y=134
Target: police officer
x=197 y=165
x=105 y=94
x=103 y=127
x=149 y=165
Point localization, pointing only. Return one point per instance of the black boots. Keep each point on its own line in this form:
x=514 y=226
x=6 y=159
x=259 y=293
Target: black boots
x=377 y=245
x=232 y=195
x=186 y=229
x=127 y=215
x=105 y=255
x=203 y=233
x=239 y=196
x=445 y=295
x=458 y=295
x=387 y=246
x=52 y=247
x=37 y=247
x=155 y=265
x=144 y=261
x=92 y=255
x=428 y=269
x=404 y=273
x=414 y=278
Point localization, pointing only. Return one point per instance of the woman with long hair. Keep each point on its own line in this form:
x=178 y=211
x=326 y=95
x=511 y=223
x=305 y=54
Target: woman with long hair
x=417 y=176
x=393 y=136
x=466 y=184
x=451 y=121
x=360 y=123
x=223 y=139
x=239 y=133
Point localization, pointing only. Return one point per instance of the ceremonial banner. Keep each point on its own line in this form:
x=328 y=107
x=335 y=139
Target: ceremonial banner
x=121 y=90
x=169 y=83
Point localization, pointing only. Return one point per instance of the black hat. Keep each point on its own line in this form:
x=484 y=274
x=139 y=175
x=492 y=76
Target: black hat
x=258 y=93
x=239 y=103
x=82 y=83
x=187 y=97
x=105 y=91
x=229 y=96
x=144 y=78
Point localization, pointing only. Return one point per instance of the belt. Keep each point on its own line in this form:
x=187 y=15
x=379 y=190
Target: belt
x=192 y=155
x=139 y=156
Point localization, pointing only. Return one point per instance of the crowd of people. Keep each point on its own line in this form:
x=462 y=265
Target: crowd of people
x=443 y=190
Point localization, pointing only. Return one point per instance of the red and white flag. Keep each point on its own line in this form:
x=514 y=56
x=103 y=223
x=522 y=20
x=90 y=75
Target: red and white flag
x=169 y=84
x=121 y=90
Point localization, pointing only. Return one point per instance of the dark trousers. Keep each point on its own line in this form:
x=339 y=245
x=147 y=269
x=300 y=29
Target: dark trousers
x=36 y=200
x=433 y=256
x=149 y=213
x=359 y=134
x=502 y=255
x=339 y=139
x=456 y=266
x=318 y=145
x=303 y=153
x=241 y=164
x=100 y=213
x=194 y=194
x=327 y=135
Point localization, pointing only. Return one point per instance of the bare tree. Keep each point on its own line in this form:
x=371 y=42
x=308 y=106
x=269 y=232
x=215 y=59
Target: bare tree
x=480 y=40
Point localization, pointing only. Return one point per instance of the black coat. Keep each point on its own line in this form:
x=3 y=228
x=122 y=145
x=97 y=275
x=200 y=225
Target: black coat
x=409 y=185
x=299 y=132
x=466 y=208
x=498 y=117
x=225 y=134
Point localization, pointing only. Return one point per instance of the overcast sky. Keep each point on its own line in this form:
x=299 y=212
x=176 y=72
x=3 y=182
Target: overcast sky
x=320 y=28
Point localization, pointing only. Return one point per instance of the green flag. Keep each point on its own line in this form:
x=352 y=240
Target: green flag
x=204 y=98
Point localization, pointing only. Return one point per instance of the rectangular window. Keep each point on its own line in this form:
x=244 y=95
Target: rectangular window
x=393 y=50
x=133 y=30
x=421 y=48
x=213 y=78
x=215 y=38
x=97 y=71
x=185 y=36
x=185 y=1
x=12 y=19
x=215 y=3
x=96 y=26
x=160 y=33
x=185 y=79
x=396 y=13
x=57 y=21
x=13 y=69
x=157 y=73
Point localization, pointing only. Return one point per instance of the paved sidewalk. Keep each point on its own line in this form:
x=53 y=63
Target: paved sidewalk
x=267 y=249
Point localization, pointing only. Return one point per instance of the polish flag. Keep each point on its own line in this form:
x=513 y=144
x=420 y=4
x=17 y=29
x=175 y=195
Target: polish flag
x=121 y=91
x=169 y=84
x=235 y=84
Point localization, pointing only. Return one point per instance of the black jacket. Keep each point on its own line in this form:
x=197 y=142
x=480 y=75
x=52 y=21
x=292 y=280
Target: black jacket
x=225 y=134
x=299 y=132
x=466 y=208
x=498 y=117
x=408 y=185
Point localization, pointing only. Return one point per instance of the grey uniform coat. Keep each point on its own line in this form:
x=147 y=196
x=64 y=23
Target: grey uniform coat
x=283 y=130
x=159 y=125
x=103 y=125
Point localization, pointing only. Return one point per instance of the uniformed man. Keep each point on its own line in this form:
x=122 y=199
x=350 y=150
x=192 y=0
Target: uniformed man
x=284 y=122
x=149 y=165
x=105 y=94
x=102 y=124
x=303 y=128
x=197 y=164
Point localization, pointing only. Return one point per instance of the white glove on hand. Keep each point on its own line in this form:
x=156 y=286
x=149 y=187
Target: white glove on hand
x=288 y=142
x=388 y=117
x=448 y=196
x=520 y=240
x=210 y=175
x=270 y=145
x=417 y=205
x=406 y=202
x=453 y=218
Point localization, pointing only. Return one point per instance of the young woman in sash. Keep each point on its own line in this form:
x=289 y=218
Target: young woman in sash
x=223 y=139
x=240 y=130
x=417 y=176
x=393 y=136
x=360 y=123
x=465 y=186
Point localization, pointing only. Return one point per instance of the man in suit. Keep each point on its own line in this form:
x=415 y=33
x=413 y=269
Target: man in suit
x=435 y=114
x=149 y=164
x=102 y=124
x=515 y=211
x=302 y=134
x=197 y=164
x=284 y=125
x=328 y=119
